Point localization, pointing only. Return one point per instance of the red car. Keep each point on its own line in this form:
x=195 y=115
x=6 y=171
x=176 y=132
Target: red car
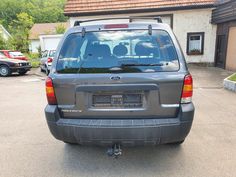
x=13 y=54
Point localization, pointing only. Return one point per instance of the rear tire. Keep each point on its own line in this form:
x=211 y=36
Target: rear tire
x=5 y=71
x=177 y=143
x=47 y=71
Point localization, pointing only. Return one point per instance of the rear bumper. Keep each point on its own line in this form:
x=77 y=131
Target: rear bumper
x=128 y=132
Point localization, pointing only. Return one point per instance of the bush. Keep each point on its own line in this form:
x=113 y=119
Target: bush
x=20 y=31
x=4 y=44
x=32 y=55
x=34 y=59
x=34 y=63
x=60 y=29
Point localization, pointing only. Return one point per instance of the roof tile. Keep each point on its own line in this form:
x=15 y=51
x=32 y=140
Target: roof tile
x=91 y=6
x=44 y=28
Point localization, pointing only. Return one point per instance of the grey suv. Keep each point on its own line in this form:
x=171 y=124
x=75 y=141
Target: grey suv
x=125 y=84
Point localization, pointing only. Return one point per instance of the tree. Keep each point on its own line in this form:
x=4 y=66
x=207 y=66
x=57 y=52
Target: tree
x=42 y=11
x=21 y=28
x=17 y=16
x=3 y=43
x=8 y=11
x=60 y=29
x=47 y=11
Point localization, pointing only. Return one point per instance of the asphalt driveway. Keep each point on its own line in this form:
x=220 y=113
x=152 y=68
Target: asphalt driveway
x=28 y=149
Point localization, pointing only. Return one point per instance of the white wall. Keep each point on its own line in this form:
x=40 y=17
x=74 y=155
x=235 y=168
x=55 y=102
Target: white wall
x=34 y=45
x=49 y=42
x=184 y=21
x=196 y=21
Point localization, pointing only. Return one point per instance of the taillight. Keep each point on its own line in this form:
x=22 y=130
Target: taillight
x=50 y=60
x=187 y=92
x=50 y=92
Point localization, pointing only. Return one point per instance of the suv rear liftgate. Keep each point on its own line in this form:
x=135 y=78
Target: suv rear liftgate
x=119 y=84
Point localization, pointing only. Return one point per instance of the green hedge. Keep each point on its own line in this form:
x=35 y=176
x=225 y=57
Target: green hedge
x=34 y=59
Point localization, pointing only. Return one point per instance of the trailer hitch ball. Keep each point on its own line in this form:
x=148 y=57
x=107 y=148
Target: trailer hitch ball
x=115 y=151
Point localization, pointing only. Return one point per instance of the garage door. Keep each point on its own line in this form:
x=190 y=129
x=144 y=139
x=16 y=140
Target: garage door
x=231 y=51
x=51 y=43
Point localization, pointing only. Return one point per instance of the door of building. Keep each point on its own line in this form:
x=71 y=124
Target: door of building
x=231 y=50
x=220 y=51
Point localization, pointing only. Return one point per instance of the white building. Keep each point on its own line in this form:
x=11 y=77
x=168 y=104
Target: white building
x=190 y=20
x=44 y=35
x=49 y=42
x=4 y=33
x=225 y=18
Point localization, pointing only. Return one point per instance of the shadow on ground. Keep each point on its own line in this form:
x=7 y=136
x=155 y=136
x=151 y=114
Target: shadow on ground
x=91 y=159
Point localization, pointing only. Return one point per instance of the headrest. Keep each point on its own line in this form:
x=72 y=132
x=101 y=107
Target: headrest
x=120 y=50
x=103 y=50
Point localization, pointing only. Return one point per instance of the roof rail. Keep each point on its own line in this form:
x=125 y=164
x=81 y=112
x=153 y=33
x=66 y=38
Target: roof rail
x=158 y=19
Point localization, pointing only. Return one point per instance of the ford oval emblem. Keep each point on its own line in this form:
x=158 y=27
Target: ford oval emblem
x=115 y=78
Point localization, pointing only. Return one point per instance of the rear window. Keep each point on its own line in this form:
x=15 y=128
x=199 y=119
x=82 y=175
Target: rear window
x=131 y=51
x=52 y=53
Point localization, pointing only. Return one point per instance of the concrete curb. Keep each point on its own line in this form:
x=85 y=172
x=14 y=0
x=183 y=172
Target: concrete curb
x=229 y=85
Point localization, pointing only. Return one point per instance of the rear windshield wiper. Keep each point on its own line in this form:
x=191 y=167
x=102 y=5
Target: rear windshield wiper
x=119 y=68
x=142 y=64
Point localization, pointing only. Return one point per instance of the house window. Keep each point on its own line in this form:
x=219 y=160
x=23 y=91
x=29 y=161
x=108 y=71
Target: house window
x=195 y=43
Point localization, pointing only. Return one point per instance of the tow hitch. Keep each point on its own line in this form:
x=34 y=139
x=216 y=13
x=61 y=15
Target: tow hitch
x=115 y=151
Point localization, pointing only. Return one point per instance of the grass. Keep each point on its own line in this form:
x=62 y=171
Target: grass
x=233 y=77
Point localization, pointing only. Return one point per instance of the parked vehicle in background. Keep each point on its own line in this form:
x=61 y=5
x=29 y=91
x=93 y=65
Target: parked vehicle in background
x=120 y=84
x=46 y=60
x=9 y=66
x=13 y=54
